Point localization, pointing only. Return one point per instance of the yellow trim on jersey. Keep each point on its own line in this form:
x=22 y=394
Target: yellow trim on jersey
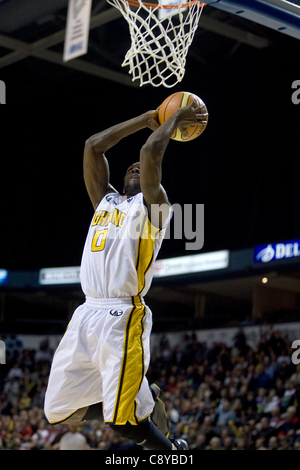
x=133 y=362
x=64 y=419
x=133 y=366
x=145 y=251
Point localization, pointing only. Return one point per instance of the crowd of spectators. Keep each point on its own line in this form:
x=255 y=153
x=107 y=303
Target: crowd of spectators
x=242 y=397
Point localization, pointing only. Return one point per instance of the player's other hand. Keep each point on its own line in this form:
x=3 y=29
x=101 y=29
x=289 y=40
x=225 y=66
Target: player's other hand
x=191 y=115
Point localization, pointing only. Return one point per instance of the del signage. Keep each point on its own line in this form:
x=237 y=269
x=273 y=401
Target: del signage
x=277 y=251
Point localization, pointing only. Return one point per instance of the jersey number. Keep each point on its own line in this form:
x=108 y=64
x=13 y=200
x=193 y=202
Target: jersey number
x=99 y=240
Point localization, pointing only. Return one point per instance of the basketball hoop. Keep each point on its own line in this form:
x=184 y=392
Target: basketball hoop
x=160 y=38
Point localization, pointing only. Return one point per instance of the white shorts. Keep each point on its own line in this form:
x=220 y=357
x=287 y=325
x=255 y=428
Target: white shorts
x=103 y=357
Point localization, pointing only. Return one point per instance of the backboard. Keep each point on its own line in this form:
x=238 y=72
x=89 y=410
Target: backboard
x=280 y=15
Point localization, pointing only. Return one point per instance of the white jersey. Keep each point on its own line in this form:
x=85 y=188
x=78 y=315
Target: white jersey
x=105 y=353
x=120 y=249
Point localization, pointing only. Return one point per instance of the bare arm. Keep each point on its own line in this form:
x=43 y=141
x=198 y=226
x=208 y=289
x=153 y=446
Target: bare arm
x=95 y=164
x=152 y=153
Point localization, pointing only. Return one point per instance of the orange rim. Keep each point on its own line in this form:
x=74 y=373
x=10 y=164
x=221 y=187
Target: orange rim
x=135 y=3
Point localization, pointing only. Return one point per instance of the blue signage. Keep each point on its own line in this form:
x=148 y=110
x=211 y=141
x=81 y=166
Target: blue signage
x=3 y=276
x=277 y=251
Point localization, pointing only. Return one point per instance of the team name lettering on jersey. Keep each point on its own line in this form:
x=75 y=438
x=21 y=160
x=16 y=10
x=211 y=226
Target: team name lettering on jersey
x=103 y=218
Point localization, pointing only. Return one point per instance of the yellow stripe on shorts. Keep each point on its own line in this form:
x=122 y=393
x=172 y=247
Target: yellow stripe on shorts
x=133 y=366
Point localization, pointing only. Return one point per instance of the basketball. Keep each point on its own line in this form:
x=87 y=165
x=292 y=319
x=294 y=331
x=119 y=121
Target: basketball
x=180 y=100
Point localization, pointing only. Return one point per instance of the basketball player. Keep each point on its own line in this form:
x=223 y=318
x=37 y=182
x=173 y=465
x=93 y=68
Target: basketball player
x=100 y=365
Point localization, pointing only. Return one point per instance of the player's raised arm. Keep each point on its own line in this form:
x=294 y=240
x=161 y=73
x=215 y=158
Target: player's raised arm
x=95 y=164
x=151 y=157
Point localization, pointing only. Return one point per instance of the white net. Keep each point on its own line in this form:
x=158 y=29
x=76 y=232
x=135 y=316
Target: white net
x=160 y=39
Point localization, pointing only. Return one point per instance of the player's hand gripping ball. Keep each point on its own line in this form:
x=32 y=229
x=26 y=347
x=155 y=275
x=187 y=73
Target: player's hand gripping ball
x=180 y=100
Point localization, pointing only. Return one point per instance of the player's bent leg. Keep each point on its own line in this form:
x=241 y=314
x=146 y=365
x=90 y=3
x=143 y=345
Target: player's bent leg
x=147 y=435
x=159 y=415
x=144 y=434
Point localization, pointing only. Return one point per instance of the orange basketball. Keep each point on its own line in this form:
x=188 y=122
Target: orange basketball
x=180 y=100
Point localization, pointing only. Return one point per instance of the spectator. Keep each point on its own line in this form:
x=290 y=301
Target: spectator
x=261 y=400
x=15 y=372
x=207 y=428
x=249 y=405
x=284 y=357
x=73 y=440
x=270 y=370
x=284 y=443
x=202 y=386
x=262 y=378
x=279 y=387
x=273 y=443
x=25 y=429
x=12 y=389
x=237 y=408
x=289 y=395
x=228 y=443
x=241 y=443
x=226 y=414
x=240 y=342
x=264 y=429
x=260 y=443
x=272 y=402
x=200 y=442
x=283 y=371
x=41 y=436
x=251 y=432
x=172 y=383
x=25 y=401
x=215 y=443
x=291 y=423
x=276 y=421
x=295 y=377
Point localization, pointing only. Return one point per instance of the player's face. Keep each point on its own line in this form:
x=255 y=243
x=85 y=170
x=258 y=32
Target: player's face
x=132 y=180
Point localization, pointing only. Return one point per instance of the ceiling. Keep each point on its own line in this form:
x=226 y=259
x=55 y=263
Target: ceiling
x=35 y=28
